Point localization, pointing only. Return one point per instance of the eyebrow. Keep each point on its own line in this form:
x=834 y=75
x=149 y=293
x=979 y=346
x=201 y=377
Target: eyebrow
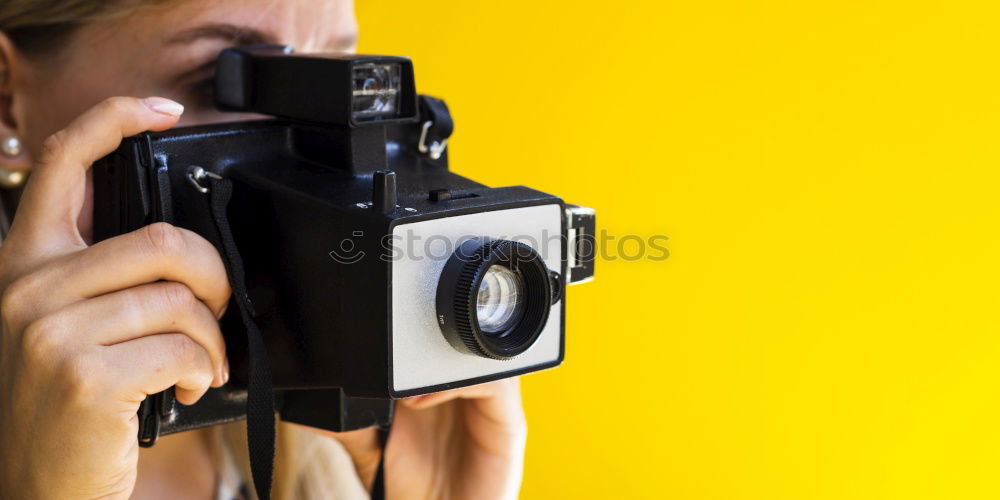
x=246 y=35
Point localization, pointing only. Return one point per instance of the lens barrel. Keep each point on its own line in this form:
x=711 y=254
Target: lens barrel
x=494 y=297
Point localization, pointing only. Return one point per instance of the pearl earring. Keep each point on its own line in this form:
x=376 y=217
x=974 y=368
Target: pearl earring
x=11 y=147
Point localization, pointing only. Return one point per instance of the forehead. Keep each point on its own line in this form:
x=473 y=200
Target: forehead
x=132 y=51
x=307 y=25
x=147 y=51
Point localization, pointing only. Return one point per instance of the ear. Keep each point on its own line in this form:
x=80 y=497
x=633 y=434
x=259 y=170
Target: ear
x=12 y=72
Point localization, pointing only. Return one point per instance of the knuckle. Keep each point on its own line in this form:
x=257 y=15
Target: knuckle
x=204 y=376
x=42 y=338
x=10 y=300
x=17 y=297
x=53 y=147
x=200 y=247
x=164 y=238
x=182 y=348
x=81 y=376
x=178 y=296
x=117 y=104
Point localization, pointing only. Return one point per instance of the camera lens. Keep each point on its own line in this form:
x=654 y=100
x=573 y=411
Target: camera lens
x=494 y=297
x=500 y=301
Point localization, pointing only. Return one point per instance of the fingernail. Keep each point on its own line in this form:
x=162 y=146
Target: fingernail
x=164 y=106
x=225 y=370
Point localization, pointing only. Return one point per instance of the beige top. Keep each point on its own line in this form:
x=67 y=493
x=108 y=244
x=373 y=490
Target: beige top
x=320 y=468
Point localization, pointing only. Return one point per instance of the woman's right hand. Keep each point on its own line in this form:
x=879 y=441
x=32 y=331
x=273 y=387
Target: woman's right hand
x=89 y=331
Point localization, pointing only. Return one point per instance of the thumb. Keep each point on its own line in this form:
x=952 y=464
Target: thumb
x=56 y=192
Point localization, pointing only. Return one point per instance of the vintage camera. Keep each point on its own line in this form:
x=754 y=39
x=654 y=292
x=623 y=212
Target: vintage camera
x=374 y=272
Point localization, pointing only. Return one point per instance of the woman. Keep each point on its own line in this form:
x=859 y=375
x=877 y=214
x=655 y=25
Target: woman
x=90 y=329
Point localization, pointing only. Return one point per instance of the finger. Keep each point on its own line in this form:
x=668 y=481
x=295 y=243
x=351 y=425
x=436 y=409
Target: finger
x=156 y=308
x=471 y=392
x=155 y=363
x=492 y=413
x=156 y=252
x=55 y=193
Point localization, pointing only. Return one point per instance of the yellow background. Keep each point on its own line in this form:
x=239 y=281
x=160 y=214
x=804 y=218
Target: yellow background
x=827 y=171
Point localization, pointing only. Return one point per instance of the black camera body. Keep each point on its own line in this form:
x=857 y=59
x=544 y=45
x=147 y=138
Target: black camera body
x=373 y=271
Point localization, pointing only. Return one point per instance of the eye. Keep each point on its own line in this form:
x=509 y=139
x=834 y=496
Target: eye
x=202 y=93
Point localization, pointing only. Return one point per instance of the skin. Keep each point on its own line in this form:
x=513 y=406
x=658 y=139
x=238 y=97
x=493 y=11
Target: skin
x=90 y=329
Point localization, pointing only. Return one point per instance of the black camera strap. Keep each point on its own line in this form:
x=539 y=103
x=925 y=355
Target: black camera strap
x=260 y=389
x=378 y=485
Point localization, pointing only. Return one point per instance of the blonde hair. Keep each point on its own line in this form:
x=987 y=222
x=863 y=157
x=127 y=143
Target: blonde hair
x=307 y=465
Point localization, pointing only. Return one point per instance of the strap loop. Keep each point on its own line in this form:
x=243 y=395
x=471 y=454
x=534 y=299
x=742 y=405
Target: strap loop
x=437 y=126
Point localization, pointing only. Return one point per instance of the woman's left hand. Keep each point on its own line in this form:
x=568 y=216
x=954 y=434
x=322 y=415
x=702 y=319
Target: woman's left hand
x=464 y=443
